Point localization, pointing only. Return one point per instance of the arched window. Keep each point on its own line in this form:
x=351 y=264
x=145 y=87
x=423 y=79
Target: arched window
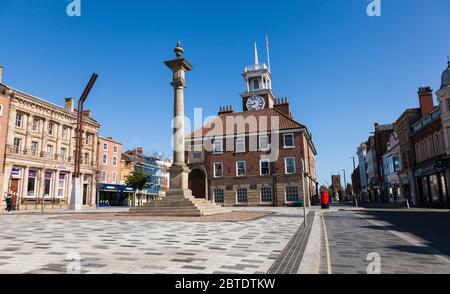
x=256 y=84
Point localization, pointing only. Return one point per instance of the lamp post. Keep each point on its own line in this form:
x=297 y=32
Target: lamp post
x=305 y=222
x=345 y=185
x=75 y=199
x=354 y=165
x=353 y=184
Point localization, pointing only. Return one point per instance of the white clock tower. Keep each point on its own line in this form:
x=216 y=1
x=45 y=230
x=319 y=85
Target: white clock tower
x=258 y=86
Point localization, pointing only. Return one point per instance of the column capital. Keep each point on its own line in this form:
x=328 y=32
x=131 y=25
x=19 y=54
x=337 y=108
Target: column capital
x=178 y=84
x=179 y=64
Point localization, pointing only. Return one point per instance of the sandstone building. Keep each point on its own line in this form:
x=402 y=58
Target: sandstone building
x=39 y=146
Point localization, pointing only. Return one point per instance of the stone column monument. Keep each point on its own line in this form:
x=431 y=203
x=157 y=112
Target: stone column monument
x=179 y=172
x=179 y=200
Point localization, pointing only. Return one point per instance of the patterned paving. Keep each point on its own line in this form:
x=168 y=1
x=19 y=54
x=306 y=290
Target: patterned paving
x=352 y=238
x=43 y=244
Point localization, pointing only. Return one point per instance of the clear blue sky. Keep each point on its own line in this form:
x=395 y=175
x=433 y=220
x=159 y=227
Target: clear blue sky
x=341 y=70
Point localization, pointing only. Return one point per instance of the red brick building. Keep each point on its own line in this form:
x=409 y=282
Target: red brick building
x=431 y=160
x=254 y=157
x=356 y=181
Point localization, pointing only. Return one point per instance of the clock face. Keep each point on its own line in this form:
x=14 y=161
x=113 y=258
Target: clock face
x=255 y=103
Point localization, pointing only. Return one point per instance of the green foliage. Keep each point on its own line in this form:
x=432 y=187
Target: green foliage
x=138 y=180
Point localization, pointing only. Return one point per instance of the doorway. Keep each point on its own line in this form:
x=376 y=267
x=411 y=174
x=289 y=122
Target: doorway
x=85 y=194
x=14 y=190
x=197 y=183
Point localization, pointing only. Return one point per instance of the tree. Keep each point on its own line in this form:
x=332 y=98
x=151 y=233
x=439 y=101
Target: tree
x=139 y=180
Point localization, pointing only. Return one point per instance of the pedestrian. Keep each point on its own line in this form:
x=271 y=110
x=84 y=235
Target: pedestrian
x=8 y=201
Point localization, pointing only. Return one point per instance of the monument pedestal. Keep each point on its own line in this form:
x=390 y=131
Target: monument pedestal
x=75 y=196
x=179 y=176
x=179 y=201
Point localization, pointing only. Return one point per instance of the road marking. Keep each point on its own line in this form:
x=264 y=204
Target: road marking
x=410 y=239
x=327 y=245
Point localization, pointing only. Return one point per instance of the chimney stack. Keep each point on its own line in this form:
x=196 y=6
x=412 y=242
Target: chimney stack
x=426 y=100
x=139 y=151
x=87 y=113
x=283 y=106
x=225 y=109
x=70 y=104
x=1 y=74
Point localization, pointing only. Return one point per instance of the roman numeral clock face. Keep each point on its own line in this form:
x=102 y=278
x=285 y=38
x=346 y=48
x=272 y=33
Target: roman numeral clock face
x=255 y=103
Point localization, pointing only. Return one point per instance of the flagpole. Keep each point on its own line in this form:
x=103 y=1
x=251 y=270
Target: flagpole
x=268 y=51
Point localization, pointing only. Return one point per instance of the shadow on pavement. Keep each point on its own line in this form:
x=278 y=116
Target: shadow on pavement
x=430 y=226
x=411 y=249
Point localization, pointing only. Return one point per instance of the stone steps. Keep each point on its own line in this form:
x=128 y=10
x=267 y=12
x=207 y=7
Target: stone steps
x=165 y=205
x=177 y=212
x=174 y=205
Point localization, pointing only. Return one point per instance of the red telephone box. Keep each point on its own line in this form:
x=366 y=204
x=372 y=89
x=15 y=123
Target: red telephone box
x=325 y=200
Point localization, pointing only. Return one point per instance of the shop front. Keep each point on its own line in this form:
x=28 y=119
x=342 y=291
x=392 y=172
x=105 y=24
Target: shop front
x=432 y=185
x=405 y=189
x=34 y=188
x=392 y=189
x=114 y=195
x=129 y=195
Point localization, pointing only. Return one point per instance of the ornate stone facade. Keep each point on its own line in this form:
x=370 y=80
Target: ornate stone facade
x=39 y=152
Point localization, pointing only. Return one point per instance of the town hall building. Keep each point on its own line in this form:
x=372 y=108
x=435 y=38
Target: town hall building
x=254 y=157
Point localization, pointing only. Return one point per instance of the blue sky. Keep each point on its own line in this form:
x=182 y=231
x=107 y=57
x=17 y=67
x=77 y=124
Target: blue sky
x=340 y=69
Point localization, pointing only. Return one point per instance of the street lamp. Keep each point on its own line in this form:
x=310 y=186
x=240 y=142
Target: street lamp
x=354 y=165
x=304 y=196
x=345 y=185
x=353 y=184
x=75 y=203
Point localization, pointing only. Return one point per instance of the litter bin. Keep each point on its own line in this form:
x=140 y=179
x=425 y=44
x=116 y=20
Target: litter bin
x=298 y=203
x=325 y=200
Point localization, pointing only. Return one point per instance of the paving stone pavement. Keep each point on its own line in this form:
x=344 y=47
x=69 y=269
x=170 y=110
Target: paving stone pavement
x=289 y=260
x=352 y=238
x=43 y=244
